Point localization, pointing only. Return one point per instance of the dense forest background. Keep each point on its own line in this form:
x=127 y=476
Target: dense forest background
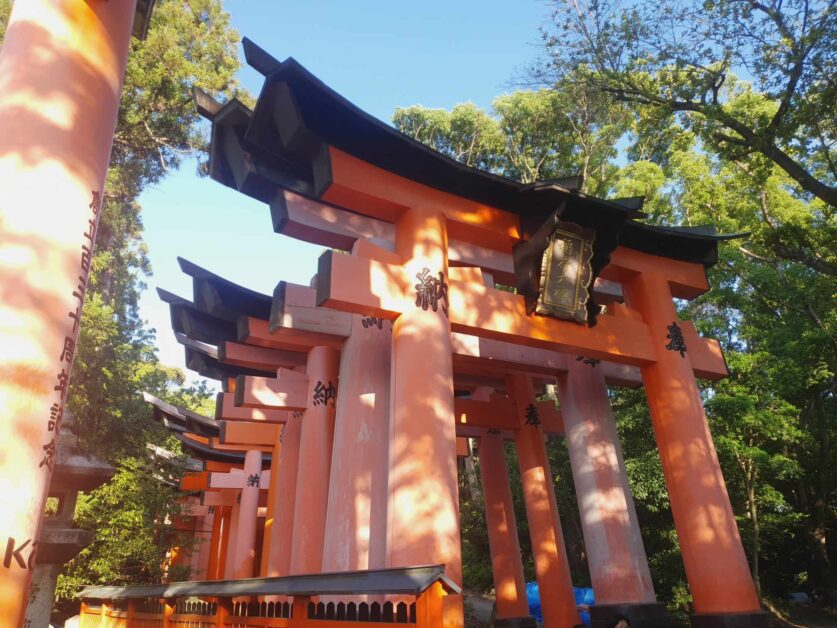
x=717 y=112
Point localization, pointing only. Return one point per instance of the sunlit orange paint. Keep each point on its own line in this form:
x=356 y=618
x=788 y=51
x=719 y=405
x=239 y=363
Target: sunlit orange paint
x=373 y=191
x=549 y=552
x=61 y=70
x=706 y=527
x=423 y=497
x=506 y=562
x=315 y=443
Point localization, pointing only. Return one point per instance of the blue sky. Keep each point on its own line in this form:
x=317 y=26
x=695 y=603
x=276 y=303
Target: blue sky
x=380 y=55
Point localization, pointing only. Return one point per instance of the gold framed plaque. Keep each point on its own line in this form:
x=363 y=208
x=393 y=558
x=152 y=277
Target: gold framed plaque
x=566 y=274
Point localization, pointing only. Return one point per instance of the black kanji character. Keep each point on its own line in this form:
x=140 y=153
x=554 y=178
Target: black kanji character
x=324 y=395
x=76 y=316
x=63 y=380
x=68 y=350
x=430 y=290
x=56 y=413
x=78 y=293
x=86 y=257
x=676 y=340
x=371 y=321
x=532 y=416
x=96 y=201
x=49 y=455
x=253 y=479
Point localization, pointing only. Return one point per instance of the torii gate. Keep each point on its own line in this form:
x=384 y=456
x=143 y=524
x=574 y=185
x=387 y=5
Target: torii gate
x=240 y=487
x=54 y=153
x=304 y=137
x=294 y=311
x=294 y=305
x=294 y=315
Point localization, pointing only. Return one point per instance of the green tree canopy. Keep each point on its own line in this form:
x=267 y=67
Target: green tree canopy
x=678 y=56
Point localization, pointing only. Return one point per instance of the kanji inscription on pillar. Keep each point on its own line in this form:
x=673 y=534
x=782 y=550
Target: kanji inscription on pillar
x=676 y=342
x=532 y=416
x=324 y=394
x=373 y=321
x=253 y=480
x=566 y=274
x=431 y=290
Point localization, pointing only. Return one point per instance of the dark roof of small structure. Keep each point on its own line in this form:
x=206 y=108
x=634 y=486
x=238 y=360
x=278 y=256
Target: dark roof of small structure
x=283 y=143
x=403 y=581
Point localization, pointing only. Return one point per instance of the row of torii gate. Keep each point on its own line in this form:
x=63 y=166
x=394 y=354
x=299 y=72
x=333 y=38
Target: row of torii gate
x=346 y=402
x=444 y=351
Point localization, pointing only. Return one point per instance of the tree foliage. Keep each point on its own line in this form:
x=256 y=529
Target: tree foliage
x=678 y=56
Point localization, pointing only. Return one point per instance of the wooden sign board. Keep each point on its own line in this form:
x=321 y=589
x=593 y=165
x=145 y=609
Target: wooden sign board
x=566 y=274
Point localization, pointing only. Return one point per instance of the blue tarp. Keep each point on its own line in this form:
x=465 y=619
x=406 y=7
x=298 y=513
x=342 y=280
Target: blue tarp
x=583 y=595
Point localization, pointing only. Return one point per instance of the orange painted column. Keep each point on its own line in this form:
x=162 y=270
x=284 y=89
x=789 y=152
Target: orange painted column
x=248 y=514
x=214 y=544
x=61 y=70
x=716 y=566
x=200 y=555
x=506 y=560
x=550 y=554
x=506 y=563
x=356 y=523
x=273 y=504
x=615 y=552
x=315 y=444
x=279 y=559
x=423 y=518
x=226 y=523
x=229 y=555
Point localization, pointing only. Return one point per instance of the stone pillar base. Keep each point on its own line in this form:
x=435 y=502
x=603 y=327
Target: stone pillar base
x=653 y=615
x=515 y=622
x=758 y=619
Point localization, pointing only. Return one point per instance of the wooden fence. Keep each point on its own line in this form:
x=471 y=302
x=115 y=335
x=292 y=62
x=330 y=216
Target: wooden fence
x=230 y=603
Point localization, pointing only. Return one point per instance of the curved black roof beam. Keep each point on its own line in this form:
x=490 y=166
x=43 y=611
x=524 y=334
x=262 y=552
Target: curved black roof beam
x=283 y=143
x=221 y=297
x=181 y=419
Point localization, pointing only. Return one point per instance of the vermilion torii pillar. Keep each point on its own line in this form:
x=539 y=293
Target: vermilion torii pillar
x=250 y=434
x=506 y=562
x=615 y=552
x=61 y=69
x=548 y=550
x=315 y=394
x=423 y=491
x=714 y=558
x=356 y=532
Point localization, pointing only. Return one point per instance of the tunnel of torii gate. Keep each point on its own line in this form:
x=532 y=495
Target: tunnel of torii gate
x=334 y=484
x=403 y=344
